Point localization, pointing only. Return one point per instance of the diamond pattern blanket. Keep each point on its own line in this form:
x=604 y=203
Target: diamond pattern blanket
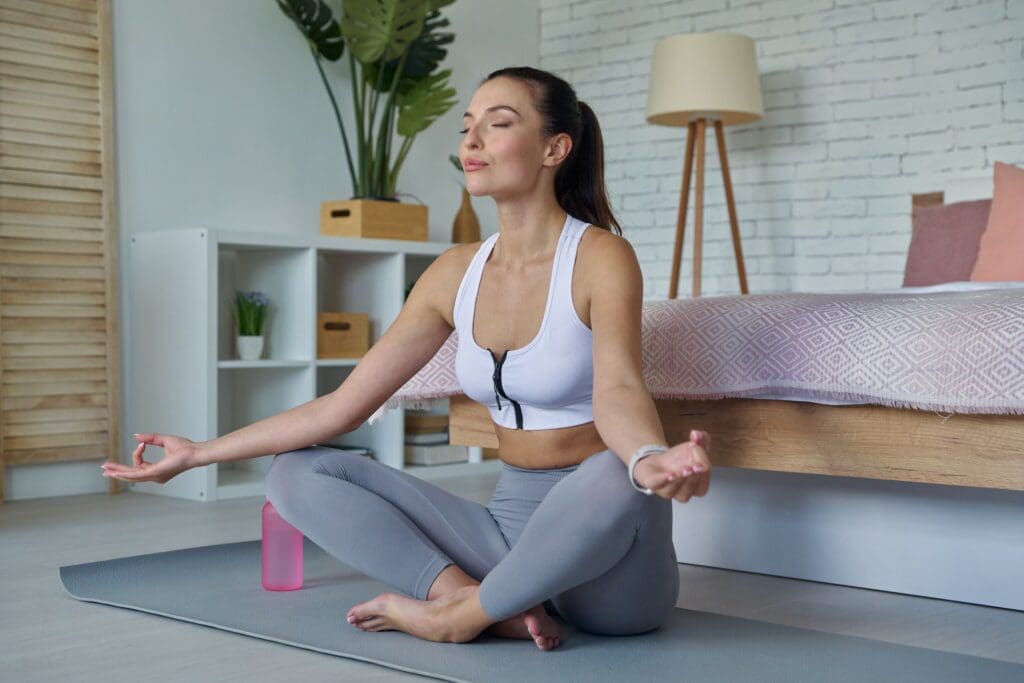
x=951 y=351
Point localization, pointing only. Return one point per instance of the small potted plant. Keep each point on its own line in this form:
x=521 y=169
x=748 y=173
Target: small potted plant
x=250 y=311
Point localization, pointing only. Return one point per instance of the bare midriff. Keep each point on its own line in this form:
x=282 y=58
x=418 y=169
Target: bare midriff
x=548 y=448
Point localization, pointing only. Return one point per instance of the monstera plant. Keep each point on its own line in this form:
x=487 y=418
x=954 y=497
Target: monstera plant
x=394 y=50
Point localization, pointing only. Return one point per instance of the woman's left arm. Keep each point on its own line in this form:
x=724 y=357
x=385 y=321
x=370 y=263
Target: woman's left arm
x=624 y=411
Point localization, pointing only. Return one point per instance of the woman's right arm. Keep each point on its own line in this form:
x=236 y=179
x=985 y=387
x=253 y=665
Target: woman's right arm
x=407 y=345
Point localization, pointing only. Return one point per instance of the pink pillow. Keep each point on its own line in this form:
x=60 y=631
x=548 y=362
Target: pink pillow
x=944 y=242
x=1001 y=251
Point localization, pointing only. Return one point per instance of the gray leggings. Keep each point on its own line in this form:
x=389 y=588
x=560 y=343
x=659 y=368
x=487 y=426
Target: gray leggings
x=578 y=539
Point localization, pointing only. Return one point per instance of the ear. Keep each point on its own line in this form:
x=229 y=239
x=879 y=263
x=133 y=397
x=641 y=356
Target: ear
x=558 y=149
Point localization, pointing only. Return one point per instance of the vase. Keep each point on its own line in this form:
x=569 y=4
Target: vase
x=250 y=346
x=466 y=227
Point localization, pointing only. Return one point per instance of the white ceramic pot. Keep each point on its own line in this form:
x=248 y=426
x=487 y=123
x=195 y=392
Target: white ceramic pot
x=250 y=347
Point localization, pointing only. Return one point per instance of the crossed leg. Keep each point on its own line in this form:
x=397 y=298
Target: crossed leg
x=601 y=550
x=394 y=527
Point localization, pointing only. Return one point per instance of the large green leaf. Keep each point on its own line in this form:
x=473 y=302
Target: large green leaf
x=316 y=21
x=376 y=29
x=425 y=54
x=425 y=103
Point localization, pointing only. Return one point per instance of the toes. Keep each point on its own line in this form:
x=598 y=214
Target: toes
x=370 y=624
x=365 y=610
x=548 y=643
x=374 y=624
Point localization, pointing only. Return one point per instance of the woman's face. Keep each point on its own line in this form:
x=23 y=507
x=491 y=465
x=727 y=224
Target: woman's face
x=502 y=129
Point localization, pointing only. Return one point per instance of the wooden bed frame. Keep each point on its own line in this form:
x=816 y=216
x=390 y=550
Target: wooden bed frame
x=866 y=440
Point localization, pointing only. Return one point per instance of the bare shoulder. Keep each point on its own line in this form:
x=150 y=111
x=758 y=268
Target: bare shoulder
x=602 y=253
x=442 y=278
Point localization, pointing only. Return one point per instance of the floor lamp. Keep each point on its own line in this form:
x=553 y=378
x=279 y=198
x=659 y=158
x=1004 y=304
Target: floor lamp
x=696 y=78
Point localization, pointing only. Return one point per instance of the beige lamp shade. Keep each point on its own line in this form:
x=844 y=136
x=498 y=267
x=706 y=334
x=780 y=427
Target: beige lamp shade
x=704 y=75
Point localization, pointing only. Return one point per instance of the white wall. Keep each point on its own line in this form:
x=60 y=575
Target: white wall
x=222 y=121
x=865 y=103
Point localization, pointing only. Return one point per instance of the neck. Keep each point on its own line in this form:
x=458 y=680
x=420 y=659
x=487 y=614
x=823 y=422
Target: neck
x=527 y=232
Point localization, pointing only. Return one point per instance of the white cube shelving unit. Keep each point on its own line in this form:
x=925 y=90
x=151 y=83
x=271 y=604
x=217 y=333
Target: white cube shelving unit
x=184 y=375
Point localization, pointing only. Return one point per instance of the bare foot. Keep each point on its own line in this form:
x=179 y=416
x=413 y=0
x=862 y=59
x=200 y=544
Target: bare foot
x=447 y=619
x=533 y=624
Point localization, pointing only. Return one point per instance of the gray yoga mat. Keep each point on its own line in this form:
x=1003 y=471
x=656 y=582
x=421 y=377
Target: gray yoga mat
x=219 y=586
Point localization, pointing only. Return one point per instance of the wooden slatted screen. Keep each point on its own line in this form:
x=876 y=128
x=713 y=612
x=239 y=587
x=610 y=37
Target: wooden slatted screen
x=59 y=373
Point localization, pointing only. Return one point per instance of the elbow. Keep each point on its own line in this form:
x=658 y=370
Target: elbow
x=339 y=414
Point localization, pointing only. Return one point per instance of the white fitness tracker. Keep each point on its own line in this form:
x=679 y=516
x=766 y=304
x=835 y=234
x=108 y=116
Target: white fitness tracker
x=643 y=452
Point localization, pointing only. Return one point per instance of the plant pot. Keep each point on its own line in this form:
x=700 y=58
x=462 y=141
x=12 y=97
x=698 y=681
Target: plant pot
x=250 y=346
x=374 y=218
x=466 y=227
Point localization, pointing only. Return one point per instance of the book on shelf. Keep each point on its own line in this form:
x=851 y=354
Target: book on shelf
x=435 y=454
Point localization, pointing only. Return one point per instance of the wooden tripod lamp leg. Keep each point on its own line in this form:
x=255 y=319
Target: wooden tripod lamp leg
x=698 y=209
x=737 y=249
x=684 y=194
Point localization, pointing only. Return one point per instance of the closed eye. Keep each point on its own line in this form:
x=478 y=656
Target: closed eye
x=496 y=125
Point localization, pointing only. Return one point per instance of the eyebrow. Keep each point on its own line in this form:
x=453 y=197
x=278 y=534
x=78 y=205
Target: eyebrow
x=494 y=108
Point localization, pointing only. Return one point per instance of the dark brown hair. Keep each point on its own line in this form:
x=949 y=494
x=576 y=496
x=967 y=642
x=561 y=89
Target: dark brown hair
x=579 y=180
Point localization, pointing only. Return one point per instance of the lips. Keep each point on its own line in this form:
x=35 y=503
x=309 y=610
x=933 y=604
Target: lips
x=473 y=165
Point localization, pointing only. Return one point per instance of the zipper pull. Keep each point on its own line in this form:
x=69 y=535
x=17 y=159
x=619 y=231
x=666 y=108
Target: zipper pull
x=494 y=378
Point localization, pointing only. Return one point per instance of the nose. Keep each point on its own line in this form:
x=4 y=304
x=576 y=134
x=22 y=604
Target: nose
x=471 y=139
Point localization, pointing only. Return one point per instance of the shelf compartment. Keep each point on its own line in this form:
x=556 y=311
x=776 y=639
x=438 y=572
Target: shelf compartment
x=360 y=283
x=285 y=275
x=248 y=395
x=384 y=438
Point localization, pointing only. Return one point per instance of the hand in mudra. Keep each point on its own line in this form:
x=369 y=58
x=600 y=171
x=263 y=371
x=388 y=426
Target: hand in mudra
x=179 y=455
x=680 y=472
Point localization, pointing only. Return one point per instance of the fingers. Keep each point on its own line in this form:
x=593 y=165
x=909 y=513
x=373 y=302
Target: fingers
x=683 y=481
x=146 y=473
x=120 y=471
x=702 y=487
x=151 y=437
x=684 y=470
x=677 y=484
x=687 y=487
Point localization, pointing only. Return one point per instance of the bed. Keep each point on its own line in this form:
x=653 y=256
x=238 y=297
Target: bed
x=918 y=384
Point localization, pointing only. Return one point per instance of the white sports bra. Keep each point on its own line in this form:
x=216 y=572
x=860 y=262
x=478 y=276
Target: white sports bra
x=548 y=383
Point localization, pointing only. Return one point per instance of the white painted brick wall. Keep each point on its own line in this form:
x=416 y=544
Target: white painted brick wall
x=865 y=103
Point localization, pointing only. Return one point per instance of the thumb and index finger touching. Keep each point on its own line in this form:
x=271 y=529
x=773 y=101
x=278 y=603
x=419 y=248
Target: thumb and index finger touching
x=151 y=438
x=144 y=439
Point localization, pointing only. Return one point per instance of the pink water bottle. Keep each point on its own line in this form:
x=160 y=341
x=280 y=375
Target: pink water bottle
x=282 y=552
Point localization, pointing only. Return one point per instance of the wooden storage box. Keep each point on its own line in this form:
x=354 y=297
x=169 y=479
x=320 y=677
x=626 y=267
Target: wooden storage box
x=374 y=218
x=342 y=335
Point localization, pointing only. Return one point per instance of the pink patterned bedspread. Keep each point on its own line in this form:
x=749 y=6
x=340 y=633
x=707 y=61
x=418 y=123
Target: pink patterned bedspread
x=950 y=351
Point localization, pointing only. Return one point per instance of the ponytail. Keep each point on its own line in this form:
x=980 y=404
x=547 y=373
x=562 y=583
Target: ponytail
x=579 y=180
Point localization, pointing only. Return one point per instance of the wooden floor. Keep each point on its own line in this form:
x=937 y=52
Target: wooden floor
x=45 y=635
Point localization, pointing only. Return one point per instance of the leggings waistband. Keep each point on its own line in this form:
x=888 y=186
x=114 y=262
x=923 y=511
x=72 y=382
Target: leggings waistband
x=528 y=470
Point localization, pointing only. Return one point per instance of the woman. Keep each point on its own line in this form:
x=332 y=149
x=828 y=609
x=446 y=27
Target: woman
x=568 y=527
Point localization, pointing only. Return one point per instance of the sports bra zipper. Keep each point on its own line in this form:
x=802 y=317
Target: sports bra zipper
x=499 y=389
